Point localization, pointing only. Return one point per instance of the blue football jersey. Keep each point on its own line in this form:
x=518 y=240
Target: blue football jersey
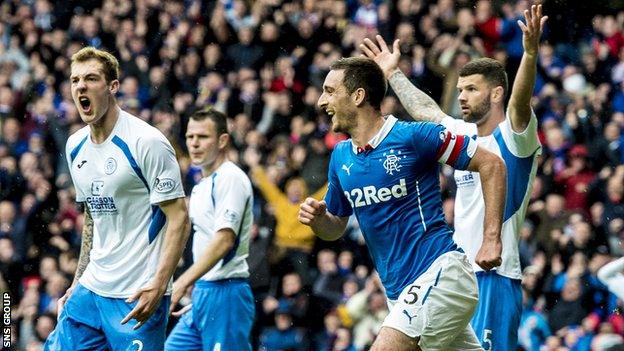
x=393 y=188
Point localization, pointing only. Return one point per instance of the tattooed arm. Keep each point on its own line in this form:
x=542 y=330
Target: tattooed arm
x=83 y=260
x=85 y=248
x=416 y=102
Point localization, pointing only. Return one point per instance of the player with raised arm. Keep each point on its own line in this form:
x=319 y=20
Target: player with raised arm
x=222 y=311
x=482 y=88
x=136 y=223
x=387 y=175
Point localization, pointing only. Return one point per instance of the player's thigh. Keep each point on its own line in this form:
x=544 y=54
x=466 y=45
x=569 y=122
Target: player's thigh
x=390 y=339
x=466 y=341
x=150 y=336
x=184 y=336
x=451 y=303
x=438 y=305
x=497 y=317
x=78 y=324
x=70 y=334
x=226 y=316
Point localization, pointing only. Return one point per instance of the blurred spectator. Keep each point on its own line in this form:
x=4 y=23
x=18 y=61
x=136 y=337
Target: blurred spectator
x=284 y=336
x=328 y=283
x=367 y=310
x=293 y=240
x=575 y=179
x=570 y=310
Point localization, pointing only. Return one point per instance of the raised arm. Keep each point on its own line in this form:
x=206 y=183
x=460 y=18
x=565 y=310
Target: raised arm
x=417 y=103
x=493 y=174
x=522 y=90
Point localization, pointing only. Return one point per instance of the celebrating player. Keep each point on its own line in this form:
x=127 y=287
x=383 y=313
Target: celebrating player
x=387 y=174
x=512 y=135
x=126 y=174
x=222 y=310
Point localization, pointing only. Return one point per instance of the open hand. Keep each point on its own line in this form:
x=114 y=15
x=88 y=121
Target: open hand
x=387 y=60
x=149 y=297
x=532 y=30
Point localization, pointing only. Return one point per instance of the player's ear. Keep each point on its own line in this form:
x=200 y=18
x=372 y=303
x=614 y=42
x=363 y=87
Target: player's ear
x=358 y=96
x=497 y=94
x=223 y=140
x=114 y=87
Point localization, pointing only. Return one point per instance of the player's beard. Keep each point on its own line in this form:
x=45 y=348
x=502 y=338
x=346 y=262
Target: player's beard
x=480 y=112
x=345 y=123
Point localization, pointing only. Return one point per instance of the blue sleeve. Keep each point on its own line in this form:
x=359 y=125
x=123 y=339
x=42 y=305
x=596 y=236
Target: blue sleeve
x=438 y=143
x=337 y=202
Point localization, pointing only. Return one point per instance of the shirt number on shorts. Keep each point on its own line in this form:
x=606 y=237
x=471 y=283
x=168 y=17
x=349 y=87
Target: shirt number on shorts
x=139 y=344
x=487 y=339
x=413 y=293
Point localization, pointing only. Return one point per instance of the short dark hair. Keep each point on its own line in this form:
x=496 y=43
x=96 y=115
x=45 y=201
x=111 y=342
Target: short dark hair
x=492 y=70
x=360 y=72
x=218 y=118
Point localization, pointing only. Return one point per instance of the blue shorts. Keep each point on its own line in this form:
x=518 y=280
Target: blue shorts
x=497 y=317
x=221 y=318
x=92 y=322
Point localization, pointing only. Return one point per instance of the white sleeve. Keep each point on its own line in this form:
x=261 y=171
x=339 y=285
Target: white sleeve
x=69 y=147
x=522 y=144
x=612 y=275
x=459 y=126
x=162 y=171
x=232 y=196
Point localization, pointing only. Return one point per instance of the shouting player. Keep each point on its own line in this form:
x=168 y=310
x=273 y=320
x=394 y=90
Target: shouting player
x=222 y=310
x=512 y=135
x=126 y=174
x=388 y=175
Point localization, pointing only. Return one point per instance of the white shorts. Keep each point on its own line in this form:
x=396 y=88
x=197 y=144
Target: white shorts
x=438 y=306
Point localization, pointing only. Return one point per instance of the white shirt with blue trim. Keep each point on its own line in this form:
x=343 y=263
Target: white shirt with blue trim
x=223 y=200
x=122 y=181
x=519 y=151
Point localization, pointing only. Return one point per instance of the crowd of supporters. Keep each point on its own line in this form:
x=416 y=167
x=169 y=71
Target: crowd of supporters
x=263 y=63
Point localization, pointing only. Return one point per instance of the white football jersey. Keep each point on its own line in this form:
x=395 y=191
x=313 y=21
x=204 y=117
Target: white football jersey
x=519 y=151
x=121 y=181
x=223 y=200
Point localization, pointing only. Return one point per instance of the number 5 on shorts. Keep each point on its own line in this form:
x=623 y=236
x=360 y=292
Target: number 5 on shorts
x=414 y=295
x=487 y=338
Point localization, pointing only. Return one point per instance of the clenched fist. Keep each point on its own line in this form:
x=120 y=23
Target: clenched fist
x=310 y=210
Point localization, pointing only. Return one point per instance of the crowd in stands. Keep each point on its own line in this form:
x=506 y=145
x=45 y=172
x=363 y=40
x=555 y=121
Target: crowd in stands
x=263 y=63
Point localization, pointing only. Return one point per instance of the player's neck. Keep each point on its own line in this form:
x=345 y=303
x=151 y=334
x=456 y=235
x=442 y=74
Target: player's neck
x=486 y=128
x=209 y=169
x=101 y=130
x=367 y=128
